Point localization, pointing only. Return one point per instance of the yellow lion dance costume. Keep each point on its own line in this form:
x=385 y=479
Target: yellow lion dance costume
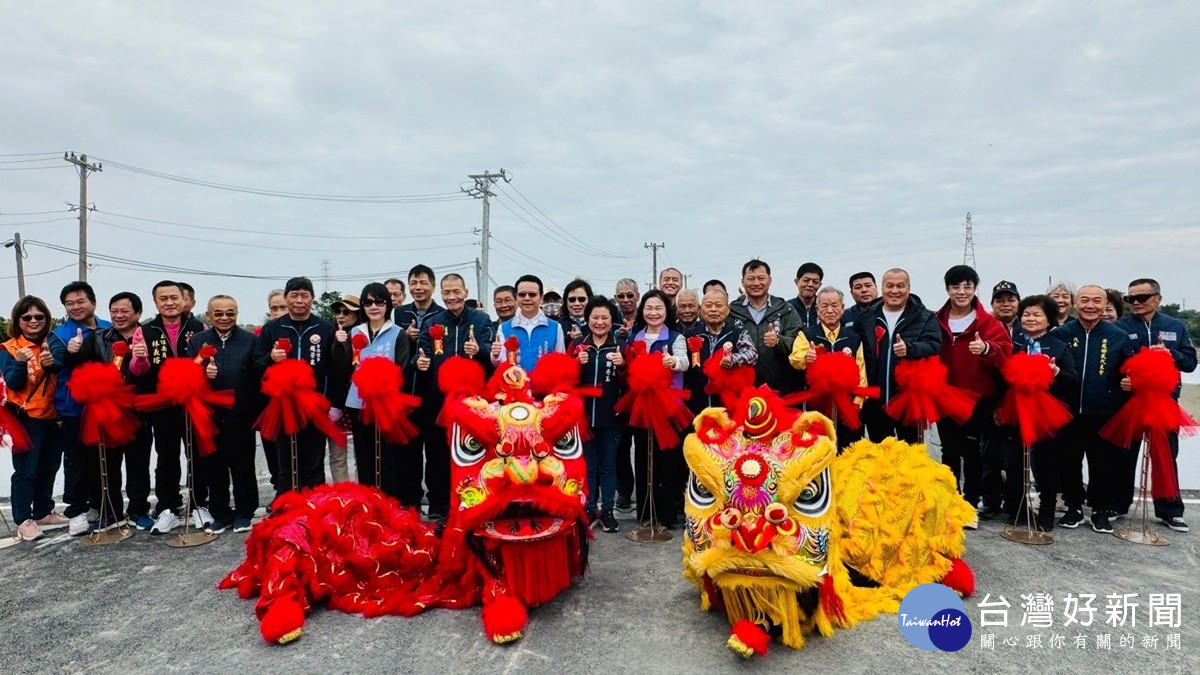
x=784 y=535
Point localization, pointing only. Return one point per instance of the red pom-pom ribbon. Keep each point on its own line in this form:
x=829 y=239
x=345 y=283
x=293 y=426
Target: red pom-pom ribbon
x=293 y=402
x=1028 y=403
x=833 y=382
x=108 y=404
x=380 y=384
x=925 y=396
x=182 y=382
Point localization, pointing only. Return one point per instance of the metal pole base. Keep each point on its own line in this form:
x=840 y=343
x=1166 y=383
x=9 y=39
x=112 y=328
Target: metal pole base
x=9 y=541
x=1024 y=535
x=106 y=537
x=646 y=534
x=189 y=539
x=1144 y=536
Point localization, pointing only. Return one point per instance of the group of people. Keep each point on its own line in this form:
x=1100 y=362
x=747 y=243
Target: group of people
x=1085 y=332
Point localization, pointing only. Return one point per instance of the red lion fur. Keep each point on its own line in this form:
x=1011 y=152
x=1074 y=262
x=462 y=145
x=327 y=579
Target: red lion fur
x=293 y=402
x=1152 y=413
x=1028 y=402
x=182 y=382
x=925 y=396
x=380 y=384
x=108 y=404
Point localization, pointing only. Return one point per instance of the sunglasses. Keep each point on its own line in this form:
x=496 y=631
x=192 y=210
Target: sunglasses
x=1140 y=297
x=579 y=299
x=345 y=312
x=222 y=315
x=33 y=317
x=373 y=302
x=528 y=294
x=626 y=296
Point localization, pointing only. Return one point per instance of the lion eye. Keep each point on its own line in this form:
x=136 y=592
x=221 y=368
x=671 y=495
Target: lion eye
x=697 y=494
x=465 y=449
x=568 y=447
x=814 y=498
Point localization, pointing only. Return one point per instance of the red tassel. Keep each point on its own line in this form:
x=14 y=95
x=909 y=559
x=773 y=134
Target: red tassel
x=831 y=602
x=727 y=383
x=536 y=572
x=380 y=384
x=1028 y=402
x=749 y=639
x=833 y=382
x=108 y=404
x=651 y=402
x=925 y=396
x=504 y=619
x=182 y=382
x=293 y=402
x=960 y=578
x=1152 y=413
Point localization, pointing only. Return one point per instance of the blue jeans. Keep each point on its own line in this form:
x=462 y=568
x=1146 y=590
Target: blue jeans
x=35 y=469
x=600 y=453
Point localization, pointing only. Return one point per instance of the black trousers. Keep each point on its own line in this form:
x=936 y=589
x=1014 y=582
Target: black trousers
x=668 y=465
x=625 y=479
x=992 y=452
x=364 y=457
x=232 y=463
x=961 y=451
x=77 y=488
x=1080 y=439
x=1044 y=466
x=271 y=454
x=1169 y=508
x=880 y=425
x=169 y=428
x=310 y=459
x=426 y=455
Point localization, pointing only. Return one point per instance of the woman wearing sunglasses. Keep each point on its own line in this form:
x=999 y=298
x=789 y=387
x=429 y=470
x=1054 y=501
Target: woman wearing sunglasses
x=29 y=373
x=576 y=296
x=346 y=315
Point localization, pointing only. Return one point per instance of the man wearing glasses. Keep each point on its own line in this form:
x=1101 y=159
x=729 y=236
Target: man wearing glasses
x=536 y=334
x=1147 y=327
x=230 y=370
x=974 y=346
x=627 y=296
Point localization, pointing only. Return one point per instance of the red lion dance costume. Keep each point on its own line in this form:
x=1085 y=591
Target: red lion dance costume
x=515 y=538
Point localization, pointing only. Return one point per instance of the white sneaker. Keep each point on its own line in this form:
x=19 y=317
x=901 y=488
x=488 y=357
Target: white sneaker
x=166 y=522
x=201 y=518
x=973 y=525
x=78 y=525
x=93 y=515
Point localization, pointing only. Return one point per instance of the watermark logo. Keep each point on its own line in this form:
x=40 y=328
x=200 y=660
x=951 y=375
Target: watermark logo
x=933 y=618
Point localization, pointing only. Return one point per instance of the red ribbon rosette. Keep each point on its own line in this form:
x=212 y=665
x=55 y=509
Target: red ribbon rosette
x=1152 y=413
x=284 y=345
x=833 y=382
x=9 y=424
x=380 y=384
x=651 y=402
x=727 y=383
x=206 y=352
x=294 y=403
x=694 y=345
x=1028 y=402
x=108 y=404
x=181 y=382
x=120 y=350
x=437 y=331
x=513 y=346
x=925 y=396
x=359 y=342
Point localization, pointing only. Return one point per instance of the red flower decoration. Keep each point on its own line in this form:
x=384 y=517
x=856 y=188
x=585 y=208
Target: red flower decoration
x=120 y=348
x=359 y=341
x=206 y=352
x=437 y=331
x=284 y=345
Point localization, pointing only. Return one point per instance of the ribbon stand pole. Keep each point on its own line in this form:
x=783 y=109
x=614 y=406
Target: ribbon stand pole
x=1146 y=535
x=13 y=538
x=102 y=537
x=187 y=538
x=1031 y=533
x=652 y=531
x=378 y=476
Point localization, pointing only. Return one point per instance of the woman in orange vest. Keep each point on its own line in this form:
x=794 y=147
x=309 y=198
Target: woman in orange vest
x=29 y=370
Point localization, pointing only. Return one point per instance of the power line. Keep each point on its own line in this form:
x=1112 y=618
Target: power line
x=546 y=232
x=526 y=255
x=563 y=230
x=27 y=161
x=323 y=249
x=34 y=213
x=31 y=168
x=37 y=222
x=285 y=234
x=32 y=154
x=368 y=199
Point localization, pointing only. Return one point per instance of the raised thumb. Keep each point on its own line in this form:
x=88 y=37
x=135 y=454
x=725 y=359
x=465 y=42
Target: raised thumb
x=899 y=340
x=79 y=333
x=977 y=338
x=421 y=353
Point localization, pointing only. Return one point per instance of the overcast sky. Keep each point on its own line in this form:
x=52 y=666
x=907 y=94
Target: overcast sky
x=857 y=135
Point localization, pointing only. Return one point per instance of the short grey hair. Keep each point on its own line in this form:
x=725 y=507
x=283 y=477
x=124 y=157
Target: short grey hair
x=1062 y=286
x=830 y=289
x=627 y=283
x=687 y=291
x=277 y=291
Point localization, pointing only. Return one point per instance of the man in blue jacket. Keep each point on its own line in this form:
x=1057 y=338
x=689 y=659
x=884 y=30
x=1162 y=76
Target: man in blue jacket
x=79 y=299
x=467 y=333
x=1147 y=327
x=1098 y=349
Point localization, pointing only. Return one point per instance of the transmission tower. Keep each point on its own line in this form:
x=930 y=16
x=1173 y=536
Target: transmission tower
x=969 y=244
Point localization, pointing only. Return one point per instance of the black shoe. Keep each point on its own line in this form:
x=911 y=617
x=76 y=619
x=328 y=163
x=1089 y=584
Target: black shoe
x=1100 y=522
x=624 y=504
x=608 y=523
x=1046 y=524
x=1071 y=519
x=988 y=513
x=592 y=516
x=1176 y=523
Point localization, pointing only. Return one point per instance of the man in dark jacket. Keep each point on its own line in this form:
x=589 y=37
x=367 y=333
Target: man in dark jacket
x=771 y=323
x=167 y=336
x=974 y=346
x=468 y=333
x=1147 y=327
x=414 y=316
x=864 y=291
x=1098 y=349
x=311 y=338
x=232 y=369
x=125 y=309
x=808 y=281
x=717 y=334
x=895 y=327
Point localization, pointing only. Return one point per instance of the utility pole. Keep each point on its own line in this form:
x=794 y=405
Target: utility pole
x=15 y=244
x=84 y=168
x=654 y=262
x=324 y=276
x=479 y=278
x=483 y=181
x=969 y=244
